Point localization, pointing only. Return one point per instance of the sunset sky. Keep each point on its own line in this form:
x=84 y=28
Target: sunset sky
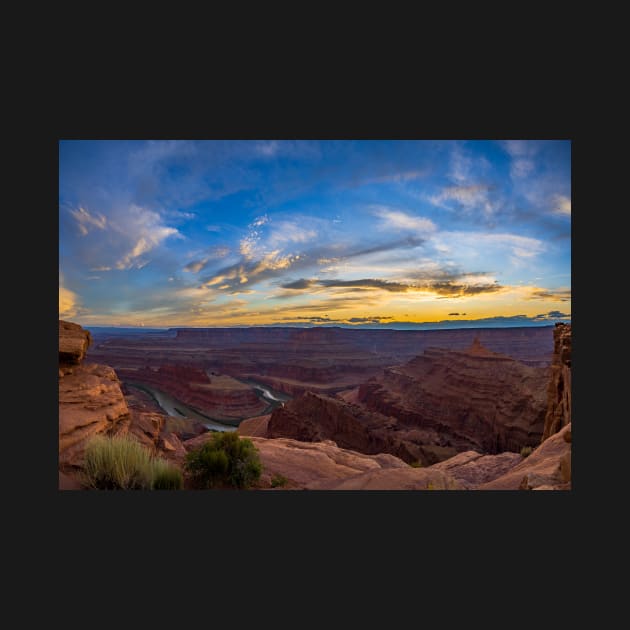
x=377 y=233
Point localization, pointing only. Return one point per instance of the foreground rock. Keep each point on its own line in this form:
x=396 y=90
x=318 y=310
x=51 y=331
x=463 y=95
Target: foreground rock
x=325 y=466
x=90 y=403
x=73 y=343
x=471 y=469
x=559 y=391
x=547 y=468
x=254 y=427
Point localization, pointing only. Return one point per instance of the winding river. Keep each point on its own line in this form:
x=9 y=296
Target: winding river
x=174 y=407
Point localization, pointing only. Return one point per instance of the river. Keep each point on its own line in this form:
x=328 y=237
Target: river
x=174 y=407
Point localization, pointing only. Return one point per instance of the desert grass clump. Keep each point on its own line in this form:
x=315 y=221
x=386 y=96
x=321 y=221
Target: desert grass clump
x=117 y=463
x=165 y=476
x=121 y=463
x=526 y=451
x=416 y=464
x=224 y=460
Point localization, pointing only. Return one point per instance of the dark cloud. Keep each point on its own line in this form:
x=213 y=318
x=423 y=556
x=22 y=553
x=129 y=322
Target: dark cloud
x=302 y=283
x=313 y=319
x=372 y=283
x=452 y=289
x=563 y=295
x=453 y=314
x=552 y=315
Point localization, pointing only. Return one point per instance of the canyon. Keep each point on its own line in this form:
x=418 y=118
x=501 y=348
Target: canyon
x=359 y=407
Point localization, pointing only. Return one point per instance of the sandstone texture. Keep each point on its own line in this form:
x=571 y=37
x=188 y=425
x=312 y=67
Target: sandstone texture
x=73 y=343
x=254 y=427
x=548 y=467
x=471 y=469
x=90 y=403
x=325 y=466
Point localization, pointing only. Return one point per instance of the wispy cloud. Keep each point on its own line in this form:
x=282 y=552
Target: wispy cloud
x=522 y=153
x=521 y=247
x=148 y=231
x=399 y=220
x=562 y=294
x=215 y=253
x=404 y=176
x=85 y=220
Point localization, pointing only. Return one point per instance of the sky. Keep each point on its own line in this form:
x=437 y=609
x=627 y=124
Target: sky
x=282 y=232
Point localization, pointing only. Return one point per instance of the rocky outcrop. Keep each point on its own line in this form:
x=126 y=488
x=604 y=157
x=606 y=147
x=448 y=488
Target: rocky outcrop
x=392 y=479
x=559 y=390
x=90 y=403
x=318 y=417
x=152 y=431
x=325 y=466
x=547 y=468
x=256 y=426
x=475 y=399
x=73 y=343
x=471 y=469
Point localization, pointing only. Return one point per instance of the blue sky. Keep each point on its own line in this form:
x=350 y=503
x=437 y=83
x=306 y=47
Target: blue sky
x=204 y=233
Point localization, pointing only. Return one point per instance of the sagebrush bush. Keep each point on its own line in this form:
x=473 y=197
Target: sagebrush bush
x=121 y=463
x=416 y=464
x=526 y=451
x=225 y=459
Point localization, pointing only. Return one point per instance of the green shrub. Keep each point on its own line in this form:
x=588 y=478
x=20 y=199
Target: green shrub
x=225 y=459
x=526 y=451
x=121 y=463
x=416 y=464
x=166 y=476
x=279 y=481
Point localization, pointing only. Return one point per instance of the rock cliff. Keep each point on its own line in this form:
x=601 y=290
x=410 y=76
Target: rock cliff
x=90 y=398
x=91 y=402
x=559 y=391
x=317 y=417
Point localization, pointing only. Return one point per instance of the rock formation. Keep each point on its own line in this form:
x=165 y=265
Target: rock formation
x=470 y=469
x=559 y=391
x=317 y=417
x=296 y=360
x=325 y=466
x=547 y=468
x=90 y=399
x=476 y=399
x=91 y=402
